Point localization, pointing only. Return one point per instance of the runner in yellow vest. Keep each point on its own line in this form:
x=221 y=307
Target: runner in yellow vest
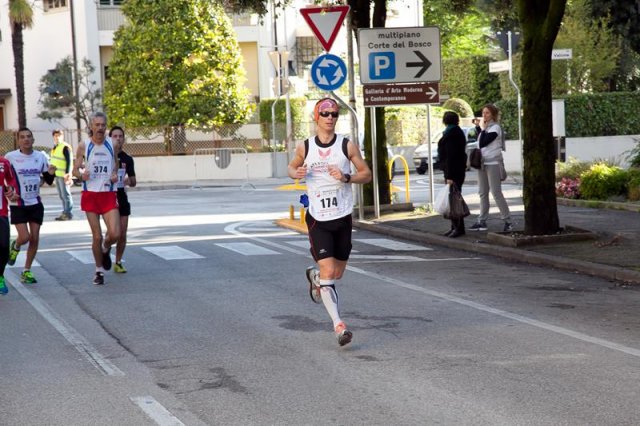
x=62 y=159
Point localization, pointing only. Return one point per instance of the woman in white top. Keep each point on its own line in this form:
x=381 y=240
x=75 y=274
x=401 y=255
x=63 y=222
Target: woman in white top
x=489 y=179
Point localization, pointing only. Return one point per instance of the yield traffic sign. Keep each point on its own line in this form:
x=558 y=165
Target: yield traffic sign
x=325 y=22
x=328 y=72
x=399 y=55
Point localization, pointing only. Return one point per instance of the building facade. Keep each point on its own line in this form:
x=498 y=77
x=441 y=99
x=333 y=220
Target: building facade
x=49 y=40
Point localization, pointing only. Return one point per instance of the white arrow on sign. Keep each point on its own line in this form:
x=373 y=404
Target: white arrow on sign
x=328 y=63
x=432 y=92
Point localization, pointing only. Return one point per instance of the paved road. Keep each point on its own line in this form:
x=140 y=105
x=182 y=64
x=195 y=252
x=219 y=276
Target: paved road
x=213 y=325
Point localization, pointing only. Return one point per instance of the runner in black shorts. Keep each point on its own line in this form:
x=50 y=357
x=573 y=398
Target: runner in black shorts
x=331 y=238
x=325 y=162
x=30 y=167
x=126 y=177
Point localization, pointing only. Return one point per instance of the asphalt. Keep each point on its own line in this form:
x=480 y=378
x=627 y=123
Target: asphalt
x=612 y=252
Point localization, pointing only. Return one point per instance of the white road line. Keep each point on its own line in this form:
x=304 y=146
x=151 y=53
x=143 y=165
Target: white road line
x=76 y=339
x=504 y=314
x=156 y=411
x=535 y=323
x=374 y=258
x=83 y=256
x=392 y=244
x=247 y=249
x=172 y=253
x=305 y=244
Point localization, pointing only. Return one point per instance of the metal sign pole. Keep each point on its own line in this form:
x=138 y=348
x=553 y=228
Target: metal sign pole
x=430 y=155
x=356 y=131
x=516 y=87
x=374 y=163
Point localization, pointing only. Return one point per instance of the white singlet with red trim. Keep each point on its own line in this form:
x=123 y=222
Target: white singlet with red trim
x=99 y=161
x=329 y=198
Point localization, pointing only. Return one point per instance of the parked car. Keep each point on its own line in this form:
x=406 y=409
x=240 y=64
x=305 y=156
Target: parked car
x=421 y=153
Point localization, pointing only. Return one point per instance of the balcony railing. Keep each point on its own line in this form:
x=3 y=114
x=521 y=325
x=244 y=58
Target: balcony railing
x=110 y=18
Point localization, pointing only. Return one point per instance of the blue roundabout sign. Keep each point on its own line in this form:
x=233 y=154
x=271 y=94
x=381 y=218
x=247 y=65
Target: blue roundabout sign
x=328 y=72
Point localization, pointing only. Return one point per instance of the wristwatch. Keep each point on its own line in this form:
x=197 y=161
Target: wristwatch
x=347 y=177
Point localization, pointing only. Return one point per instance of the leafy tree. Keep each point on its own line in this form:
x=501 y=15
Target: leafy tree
x=20 y=17
x=176 y=62
x=595 y=51
x=461 y=34
x=57 y=97
x=540 y=22
x=624 y=20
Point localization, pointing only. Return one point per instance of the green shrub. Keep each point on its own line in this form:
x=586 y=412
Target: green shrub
x=299 y=118
x=572 y=169
x=459 y=106
x=602 y=181
x=587 y=114
x=405 y=125
x=469 y=77
x=633 y=184
x=634 y=154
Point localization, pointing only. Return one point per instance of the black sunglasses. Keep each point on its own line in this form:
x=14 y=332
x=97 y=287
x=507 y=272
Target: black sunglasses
x=325 y=114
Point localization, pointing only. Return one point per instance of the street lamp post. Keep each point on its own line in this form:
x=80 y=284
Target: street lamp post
x=76 y=83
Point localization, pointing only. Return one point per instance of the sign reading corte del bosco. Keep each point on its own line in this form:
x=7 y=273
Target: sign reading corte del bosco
x=399 y=55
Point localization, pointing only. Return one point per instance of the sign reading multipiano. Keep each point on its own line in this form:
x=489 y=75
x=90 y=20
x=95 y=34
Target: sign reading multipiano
x=399 y=55
x=400 y=94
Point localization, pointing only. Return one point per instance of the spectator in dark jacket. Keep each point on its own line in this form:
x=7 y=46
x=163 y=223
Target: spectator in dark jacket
x=453 y=159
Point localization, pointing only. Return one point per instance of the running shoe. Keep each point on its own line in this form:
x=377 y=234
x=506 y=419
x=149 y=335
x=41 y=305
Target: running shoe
x=3 y=287
x=479 y=226
x=119 y=268
x=313 y=276
x=344 y=336
x=98 y=279
x=27 y=278
x=106 y=259
x=13 y=253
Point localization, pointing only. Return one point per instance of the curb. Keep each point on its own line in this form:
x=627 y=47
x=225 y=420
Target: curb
x=572 y=265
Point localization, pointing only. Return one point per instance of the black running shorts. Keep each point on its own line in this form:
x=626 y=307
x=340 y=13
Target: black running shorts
x=27 y=214
x=331 y=238
x=123 y=204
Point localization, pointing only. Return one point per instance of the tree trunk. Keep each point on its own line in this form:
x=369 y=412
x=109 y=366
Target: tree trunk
x=540 y=21
x=17 y=44
x=360 y=18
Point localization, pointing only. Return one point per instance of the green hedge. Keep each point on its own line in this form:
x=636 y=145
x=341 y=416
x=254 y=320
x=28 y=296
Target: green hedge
x=299 y=118
x=469 y=79
x=595 y=114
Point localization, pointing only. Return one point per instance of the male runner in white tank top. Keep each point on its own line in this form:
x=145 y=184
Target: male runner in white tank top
x=97 y=156
x=325 y=162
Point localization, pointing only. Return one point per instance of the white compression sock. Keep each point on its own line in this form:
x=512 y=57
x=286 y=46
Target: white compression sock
x=330 y=300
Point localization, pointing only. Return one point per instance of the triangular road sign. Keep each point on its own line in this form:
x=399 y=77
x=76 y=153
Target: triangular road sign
x=325 y=22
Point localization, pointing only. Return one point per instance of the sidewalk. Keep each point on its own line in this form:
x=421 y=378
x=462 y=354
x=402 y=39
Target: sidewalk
x=614 y=255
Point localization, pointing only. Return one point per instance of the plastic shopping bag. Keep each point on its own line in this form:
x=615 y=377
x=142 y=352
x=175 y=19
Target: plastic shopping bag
x=441 y=202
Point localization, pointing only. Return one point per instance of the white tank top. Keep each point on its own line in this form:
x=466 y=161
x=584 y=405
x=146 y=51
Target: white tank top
x=99 y=161
x=28 y=170
x=328 y=198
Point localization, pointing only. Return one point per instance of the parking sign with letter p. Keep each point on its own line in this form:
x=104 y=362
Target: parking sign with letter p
x=382 y=66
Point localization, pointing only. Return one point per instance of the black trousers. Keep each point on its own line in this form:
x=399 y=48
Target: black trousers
x=458 y=224
x=4 y=243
